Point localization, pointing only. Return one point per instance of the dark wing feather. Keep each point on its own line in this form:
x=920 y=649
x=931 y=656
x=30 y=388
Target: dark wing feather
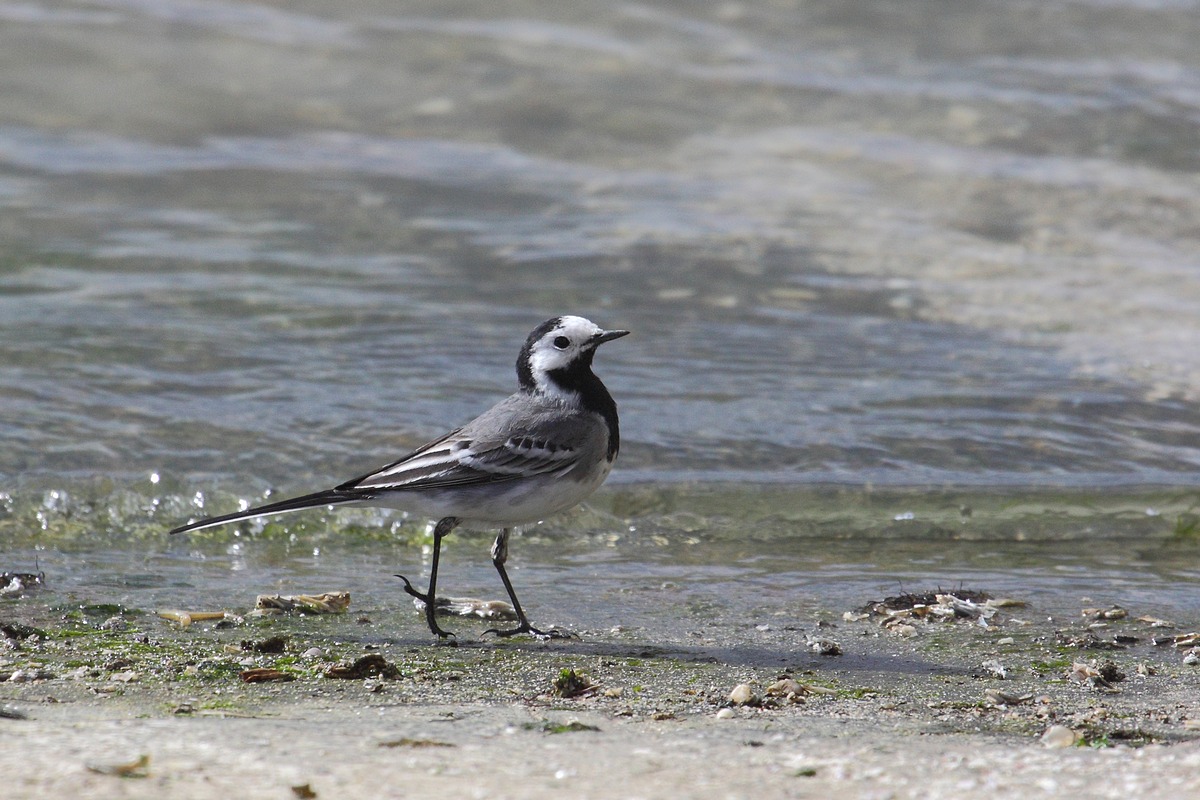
x=455 y=461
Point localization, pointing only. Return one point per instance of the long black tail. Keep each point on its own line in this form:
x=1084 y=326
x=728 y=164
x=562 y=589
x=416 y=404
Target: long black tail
x=329 y=497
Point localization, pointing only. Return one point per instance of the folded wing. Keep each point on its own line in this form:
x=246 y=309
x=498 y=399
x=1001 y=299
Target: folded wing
x=458 y=460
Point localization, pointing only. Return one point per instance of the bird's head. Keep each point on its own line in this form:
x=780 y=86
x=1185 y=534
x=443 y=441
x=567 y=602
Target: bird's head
x=560 y=346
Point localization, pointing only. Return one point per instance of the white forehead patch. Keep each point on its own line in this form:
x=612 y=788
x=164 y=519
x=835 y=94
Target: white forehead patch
x=577 y=329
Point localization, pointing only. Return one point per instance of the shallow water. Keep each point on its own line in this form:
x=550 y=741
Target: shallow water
x=911 y=246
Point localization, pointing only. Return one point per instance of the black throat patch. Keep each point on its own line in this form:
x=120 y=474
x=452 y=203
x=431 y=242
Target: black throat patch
x=576 y=378
x=579 y=379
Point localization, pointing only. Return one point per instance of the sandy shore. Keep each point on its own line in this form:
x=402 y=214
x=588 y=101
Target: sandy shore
x=125 y=704
x=360 y=746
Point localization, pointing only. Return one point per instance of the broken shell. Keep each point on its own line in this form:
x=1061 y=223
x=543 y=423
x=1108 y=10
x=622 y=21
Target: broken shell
x=1116 y=612
x=996 y=668
x=139 y=768
x=13 y=584
x=327 y=603
x=965 y=608
x=787 y=689
x=1098 y=678
x=472 y=607
x=1082 y=672
x=824 y=647
x=265 y=675
x=995 y=697
x=784 y=687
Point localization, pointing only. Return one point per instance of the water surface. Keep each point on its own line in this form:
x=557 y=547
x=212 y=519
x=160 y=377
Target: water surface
x=248 y=248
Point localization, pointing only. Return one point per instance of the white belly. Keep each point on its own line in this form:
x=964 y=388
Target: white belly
x=497 y=505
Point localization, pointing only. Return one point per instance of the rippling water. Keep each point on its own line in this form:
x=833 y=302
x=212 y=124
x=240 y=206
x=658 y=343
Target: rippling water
x=248 y=247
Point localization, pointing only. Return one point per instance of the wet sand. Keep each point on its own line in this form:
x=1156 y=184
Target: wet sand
x=898 y=713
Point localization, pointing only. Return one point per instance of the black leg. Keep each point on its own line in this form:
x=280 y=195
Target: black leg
x=429 y=598
x=499 y=558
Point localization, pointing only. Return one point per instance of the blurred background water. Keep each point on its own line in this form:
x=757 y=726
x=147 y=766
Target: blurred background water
x=883 y=262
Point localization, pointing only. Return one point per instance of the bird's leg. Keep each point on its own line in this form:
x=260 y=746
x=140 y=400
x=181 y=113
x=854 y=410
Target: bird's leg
x=429 y=598
x=499 y=558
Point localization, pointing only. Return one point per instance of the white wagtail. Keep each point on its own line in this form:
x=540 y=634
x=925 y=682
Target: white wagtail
x=538 y=452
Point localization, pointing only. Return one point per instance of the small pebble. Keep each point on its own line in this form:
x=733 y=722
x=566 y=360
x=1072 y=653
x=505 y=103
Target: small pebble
x=725 y=713
x=1057 y=736
x=741 y=695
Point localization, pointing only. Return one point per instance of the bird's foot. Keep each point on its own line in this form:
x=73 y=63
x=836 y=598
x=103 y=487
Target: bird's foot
x=429 y=610
x=525 y=627
x=408 y=587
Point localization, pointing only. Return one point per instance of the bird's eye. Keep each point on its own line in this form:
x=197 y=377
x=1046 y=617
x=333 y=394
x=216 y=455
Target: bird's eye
x=562 y=342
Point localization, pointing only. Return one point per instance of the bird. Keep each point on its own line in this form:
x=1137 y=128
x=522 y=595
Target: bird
x=540 y=451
